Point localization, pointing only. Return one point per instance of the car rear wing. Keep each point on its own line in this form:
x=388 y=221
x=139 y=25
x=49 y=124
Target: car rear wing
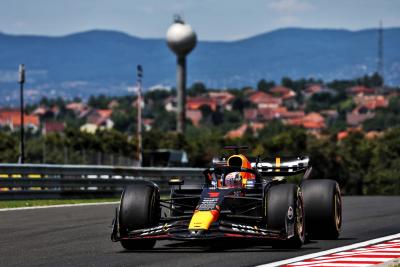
x=282 y=166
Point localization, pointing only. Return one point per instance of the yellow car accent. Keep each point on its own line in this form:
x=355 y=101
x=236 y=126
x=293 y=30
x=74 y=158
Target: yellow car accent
x=201 y=220
x=278 y=163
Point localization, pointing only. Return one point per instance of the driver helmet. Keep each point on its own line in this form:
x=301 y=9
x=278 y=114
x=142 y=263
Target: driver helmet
x=233 y=179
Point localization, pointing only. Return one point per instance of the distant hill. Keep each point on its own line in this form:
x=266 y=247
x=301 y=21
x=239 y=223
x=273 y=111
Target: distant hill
x=105 y=61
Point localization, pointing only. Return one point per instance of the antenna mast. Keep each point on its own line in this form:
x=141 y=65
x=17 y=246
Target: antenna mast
x=380 y=53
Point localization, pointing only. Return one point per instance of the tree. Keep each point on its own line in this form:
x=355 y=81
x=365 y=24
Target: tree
x=100 y=102
x=383 y=175
x=198 y=88
x=206 y=113
x=355 y=153
x=8 y=148
x=287 y=82
x=264 y=85
x=386 y=117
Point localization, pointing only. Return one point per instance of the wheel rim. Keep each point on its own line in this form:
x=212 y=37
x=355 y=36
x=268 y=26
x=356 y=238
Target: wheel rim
x=300 y=218
x=338 y=210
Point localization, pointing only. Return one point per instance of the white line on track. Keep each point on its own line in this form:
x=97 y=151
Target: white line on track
x=330 y=251
x=60 y=206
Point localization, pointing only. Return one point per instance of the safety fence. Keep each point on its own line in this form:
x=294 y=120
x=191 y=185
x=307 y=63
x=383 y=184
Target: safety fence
x=46 y=181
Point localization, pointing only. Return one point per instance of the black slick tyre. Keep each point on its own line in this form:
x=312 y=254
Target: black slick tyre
x=284 y=203
x=139 y=208
x=323 y=208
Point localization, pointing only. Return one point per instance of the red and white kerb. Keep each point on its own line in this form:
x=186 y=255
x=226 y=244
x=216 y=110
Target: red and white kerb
x=365 y=256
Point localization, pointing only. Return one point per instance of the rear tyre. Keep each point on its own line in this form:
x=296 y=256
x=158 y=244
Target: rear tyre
x=323 y=208
x=139 y=208
x=285 y=203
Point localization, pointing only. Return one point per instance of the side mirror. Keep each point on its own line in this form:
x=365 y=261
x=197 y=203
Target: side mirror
x=176 y=181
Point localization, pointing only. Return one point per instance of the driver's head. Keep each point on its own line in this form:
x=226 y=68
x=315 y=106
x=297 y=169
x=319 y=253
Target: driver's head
x=233 y=179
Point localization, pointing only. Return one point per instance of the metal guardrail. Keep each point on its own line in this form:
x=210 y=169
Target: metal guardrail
x=45 y=181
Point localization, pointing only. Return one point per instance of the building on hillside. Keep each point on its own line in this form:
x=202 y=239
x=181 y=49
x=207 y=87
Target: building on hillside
x=268 y=114
x=239 y=132
x=372 y=102
x=287 y=95
x=313 y=89
x=264 y=100
x=365 y=109
x=89 y=128
x=312 y=122
x=223 y=99
x=295 y=114
x=358 y=116
x=40 y=111
x=76 y=107
x=11 y=118
x=113 y=104
x=194 y=103
x=53 y=127
x=361 y=89
x=98 y=119
x=46 y=113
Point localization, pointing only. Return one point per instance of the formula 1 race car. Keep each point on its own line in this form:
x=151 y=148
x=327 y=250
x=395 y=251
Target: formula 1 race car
x=239 y=199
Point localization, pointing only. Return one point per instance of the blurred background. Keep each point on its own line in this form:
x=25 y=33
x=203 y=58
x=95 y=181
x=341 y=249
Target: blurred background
x=285 y=77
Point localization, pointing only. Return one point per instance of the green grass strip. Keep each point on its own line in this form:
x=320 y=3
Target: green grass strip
x=48 y=202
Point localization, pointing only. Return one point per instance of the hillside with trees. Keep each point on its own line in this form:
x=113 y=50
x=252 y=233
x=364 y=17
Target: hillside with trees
x=349 y=128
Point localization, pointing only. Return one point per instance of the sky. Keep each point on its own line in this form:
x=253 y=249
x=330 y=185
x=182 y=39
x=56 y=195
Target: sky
x=224 y=20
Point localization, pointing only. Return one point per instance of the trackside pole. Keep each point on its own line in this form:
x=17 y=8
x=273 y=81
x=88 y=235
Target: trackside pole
x=21 y=81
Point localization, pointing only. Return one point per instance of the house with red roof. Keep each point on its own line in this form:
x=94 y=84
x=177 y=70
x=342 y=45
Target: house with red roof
x=282 y=92
x=12 y=118
x=193 y=103
x=317 y=88
x=287 y=95
x=223 y=99
x=76 y=107
x=371 y=102
x=312 y=89
x=361 y=89
x=98 y=119
x=313 y=122
x=264 y=100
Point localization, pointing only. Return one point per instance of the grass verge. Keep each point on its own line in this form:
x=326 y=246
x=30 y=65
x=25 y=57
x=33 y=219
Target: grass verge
x=48 y=202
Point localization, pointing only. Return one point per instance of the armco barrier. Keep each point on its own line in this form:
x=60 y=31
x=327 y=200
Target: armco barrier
x=45 y=181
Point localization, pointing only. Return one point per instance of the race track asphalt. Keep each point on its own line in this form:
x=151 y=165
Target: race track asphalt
x=80 y=236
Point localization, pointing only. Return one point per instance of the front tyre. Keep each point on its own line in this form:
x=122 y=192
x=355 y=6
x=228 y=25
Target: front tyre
x=139 y=208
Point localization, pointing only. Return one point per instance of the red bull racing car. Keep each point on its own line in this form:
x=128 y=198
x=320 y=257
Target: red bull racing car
x=240 y=198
